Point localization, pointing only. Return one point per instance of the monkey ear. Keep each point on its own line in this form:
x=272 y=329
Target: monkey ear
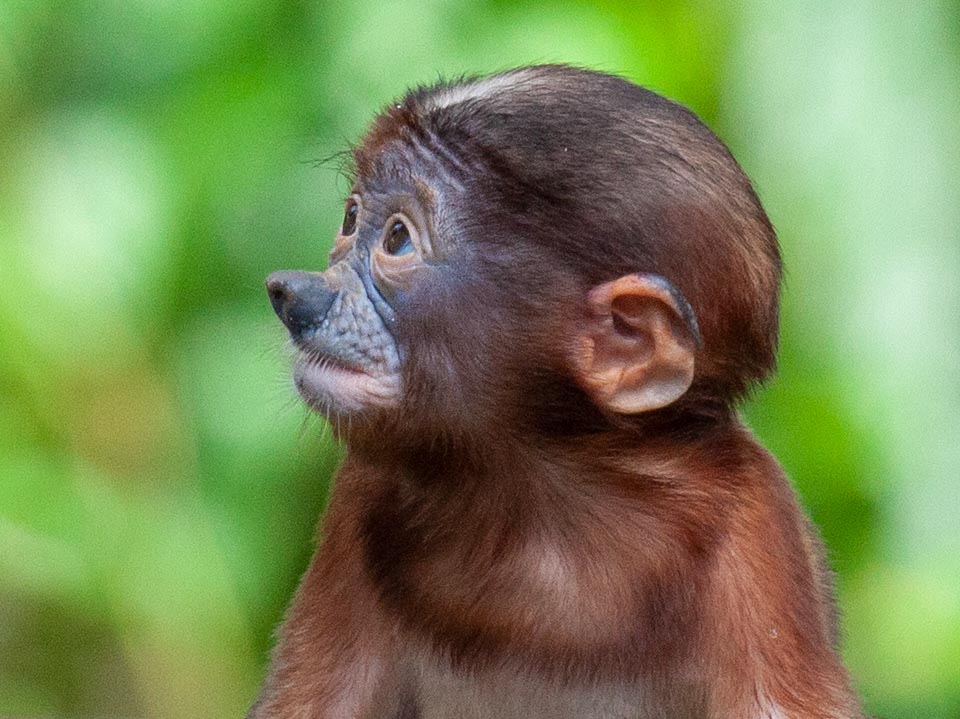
x=636 y=352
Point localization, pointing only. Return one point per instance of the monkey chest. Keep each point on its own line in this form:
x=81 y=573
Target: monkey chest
x=445 y=694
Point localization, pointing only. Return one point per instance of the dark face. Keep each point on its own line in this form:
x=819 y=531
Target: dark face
x=435 y=315
x=342 y=321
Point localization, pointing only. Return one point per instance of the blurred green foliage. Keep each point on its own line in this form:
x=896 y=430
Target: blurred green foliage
x=159 y=482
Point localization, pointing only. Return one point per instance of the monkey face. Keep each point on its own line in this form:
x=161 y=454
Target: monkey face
x=342 y=321
x=339 y=321
x=389 y=335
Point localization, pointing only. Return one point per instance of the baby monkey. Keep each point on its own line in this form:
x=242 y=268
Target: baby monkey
x=549 y=293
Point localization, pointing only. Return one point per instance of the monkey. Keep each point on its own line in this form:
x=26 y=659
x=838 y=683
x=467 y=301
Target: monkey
x=550 y=293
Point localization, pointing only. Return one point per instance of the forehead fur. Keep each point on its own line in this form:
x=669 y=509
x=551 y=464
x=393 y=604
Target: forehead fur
x=636 y=181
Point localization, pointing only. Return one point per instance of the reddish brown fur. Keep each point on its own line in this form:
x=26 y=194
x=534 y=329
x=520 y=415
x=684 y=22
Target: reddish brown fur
x=522 y=526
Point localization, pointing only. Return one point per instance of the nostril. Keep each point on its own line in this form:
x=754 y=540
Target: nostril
x=279 y=288
x=279 y=293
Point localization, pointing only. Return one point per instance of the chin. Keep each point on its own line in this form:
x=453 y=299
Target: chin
x=339 y=392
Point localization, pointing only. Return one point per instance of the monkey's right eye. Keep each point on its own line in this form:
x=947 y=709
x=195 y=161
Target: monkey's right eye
x=397 y=241
x=350 y=218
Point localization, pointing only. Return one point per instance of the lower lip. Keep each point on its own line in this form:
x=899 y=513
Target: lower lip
x=330 y=387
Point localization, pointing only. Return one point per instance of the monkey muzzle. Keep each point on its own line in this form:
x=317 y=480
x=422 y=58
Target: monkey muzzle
x=347 y=359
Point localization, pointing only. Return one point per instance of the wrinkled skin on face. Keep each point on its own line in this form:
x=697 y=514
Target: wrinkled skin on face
x=348 y=360
x=345 y=323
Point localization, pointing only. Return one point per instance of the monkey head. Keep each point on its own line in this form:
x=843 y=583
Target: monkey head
x=545 y=251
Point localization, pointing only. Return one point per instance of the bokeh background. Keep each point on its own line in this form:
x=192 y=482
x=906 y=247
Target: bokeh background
x=159 y=481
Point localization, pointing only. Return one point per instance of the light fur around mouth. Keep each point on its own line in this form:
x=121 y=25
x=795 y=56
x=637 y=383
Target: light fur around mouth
x=331 y=387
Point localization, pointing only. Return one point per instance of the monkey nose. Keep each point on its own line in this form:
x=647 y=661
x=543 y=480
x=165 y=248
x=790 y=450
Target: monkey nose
x=300 y=299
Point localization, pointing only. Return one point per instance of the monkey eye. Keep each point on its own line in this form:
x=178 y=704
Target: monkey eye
x=397 y=241
x=350 y=218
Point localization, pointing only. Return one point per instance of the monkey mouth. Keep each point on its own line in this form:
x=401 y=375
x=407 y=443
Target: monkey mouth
x=331 y=387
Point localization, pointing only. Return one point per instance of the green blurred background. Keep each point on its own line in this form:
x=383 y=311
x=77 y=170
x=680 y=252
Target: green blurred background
x=159 y=481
